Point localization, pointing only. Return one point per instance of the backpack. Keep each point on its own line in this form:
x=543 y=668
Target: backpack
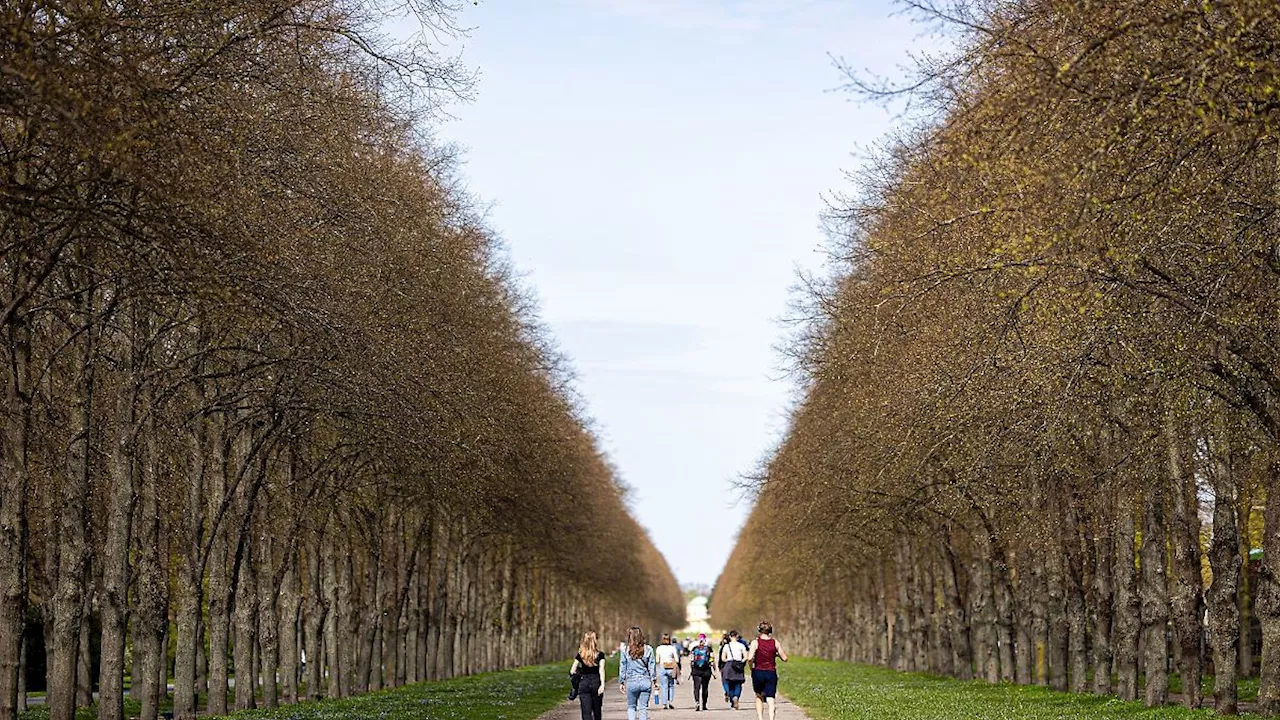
x=701 y=656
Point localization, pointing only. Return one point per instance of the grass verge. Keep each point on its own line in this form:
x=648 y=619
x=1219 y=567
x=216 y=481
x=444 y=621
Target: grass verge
x=843 y=691
x=521 y=694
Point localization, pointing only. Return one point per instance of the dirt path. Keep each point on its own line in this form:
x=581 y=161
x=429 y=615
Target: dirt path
x=615 y=706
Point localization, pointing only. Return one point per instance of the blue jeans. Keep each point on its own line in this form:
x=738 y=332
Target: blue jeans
x=638 y=701
x=735 y=689
x=667 y=688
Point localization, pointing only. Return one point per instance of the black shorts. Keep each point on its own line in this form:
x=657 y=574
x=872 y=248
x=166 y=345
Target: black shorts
x=764 y=683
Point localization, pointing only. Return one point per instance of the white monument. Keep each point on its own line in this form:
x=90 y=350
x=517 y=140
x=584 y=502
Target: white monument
x=696 y=617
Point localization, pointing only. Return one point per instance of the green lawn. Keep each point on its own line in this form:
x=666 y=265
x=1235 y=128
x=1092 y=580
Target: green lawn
x=843 y=691
x=521 y=694
x=41 y=712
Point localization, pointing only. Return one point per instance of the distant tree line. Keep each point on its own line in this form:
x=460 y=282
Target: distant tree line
x=271 y=393
x=1040 y=421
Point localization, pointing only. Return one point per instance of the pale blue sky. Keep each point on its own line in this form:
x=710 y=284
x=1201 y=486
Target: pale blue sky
x=657 y=168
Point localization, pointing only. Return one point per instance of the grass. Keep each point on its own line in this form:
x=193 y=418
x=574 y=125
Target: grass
x=844 y=691
x=1246 y=688
x=521 y=694
x=41 y=712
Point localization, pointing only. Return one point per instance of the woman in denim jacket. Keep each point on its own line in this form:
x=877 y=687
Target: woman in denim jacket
x=638 y=674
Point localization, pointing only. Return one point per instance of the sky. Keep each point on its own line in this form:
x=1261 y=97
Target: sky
x=658 y=170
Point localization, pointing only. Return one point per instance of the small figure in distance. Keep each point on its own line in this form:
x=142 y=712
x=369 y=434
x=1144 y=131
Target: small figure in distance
x=763 y=656
x=588 y=665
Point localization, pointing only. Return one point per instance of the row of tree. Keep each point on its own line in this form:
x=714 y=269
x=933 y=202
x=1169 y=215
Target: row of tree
x=1040 y=422
x=274 y=408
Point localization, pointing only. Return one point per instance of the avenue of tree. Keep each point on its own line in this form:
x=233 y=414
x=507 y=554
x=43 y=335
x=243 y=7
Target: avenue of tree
x=1040 y=421
x=270 y=392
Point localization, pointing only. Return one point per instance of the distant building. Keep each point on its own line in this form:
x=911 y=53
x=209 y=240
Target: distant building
x=696 y=617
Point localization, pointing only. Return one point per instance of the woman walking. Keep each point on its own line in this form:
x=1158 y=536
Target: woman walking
x=763 y=655
x=638 y=675
x=724 y=640
x=734 y=657
x=669 y=658
x=589 y=665
x=701 y=669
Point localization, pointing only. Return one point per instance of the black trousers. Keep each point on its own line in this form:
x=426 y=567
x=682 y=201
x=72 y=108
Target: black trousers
x=701 y=683
x=589 y=698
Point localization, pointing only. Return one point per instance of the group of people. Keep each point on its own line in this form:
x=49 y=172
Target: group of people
x=648 y=674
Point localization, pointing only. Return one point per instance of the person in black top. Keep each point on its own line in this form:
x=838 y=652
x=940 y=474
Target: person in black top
x=589 y=666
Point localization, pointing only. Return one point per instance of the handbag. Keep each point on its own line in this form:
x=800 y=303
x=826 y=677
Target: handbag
x=575 y=680
x=670 y=663
x=738 y=667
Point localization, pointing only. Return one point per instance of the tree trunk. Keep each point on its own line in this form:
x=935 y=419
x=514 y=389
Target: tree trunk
x=84 y=668
x=1101 y=607
x=186 y=673
x=316 y=619
x=1039 y=616
x=14 y=479
x=1127 y=617
x=957 y=622
x=1155 y=596
x=22 y=678
x=368 y=670
x=1244 y=507
x=333 y=625
x=268 y=622
x=72 y=569
x=289 y=608
x=1056 y=605
x=1004 y=606
x=349 y=621
x=1267 y=605
x=246 y=625
x=1224 y=558
x=983 y=613
x=1075 y=588
x=151 y=596
x=114 y=601
x=219 y=620
x=1186 y=604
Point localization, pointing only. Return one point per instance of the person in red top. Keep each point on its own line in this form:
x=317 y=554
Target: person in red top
x=763 y=656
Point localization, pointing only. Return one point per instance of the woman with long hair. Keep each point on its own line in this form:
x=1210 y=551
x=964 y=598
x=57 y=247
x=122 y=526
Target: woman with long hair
x=669 y=659
x=764 y=653
x=589 y=665
x=638 y=674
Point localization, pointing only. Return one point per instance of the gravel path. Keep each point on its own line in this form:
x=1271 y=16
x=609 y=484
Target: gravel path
x=615 y=706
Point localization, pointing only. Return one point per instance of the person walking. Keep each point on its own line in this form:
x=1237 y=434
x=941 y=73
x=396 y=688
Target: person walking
x=734 y=657
x=763 y=655
x=669 y=659
x=589 y=666
x=701 y=669
x=638 y=674
x=724 y=640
